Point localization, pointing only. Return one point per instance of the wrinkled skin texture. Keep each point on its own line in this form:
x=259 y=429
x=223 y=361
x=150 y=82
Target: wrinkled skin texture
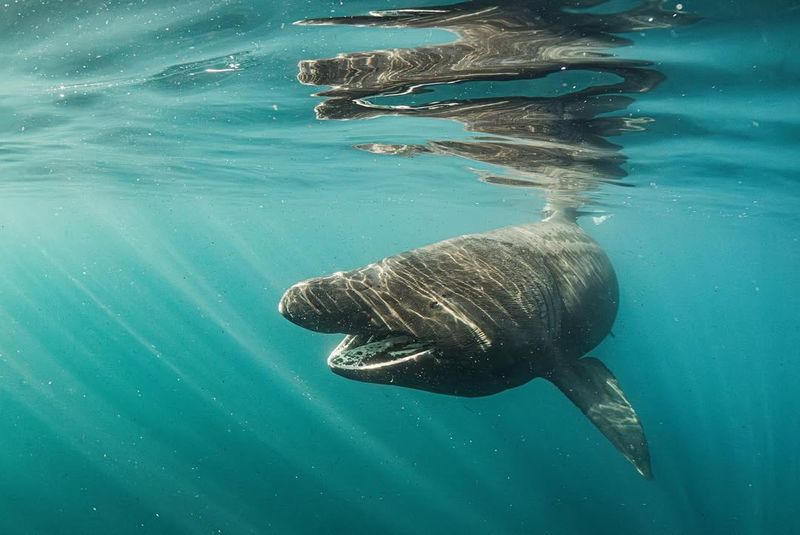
x=500 y=306
x=478 y=314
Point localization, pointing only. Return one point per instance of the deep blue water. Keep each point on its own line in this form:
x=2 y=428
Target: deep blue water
x=163 y=179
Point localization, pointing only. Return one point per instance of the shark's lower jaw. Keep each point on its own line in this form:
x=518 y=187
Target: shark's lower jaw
x=365 y=352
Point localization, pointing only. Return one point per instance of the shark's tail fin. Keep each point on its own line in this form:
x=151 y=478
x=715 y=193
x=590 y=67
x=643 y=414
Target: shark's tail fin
x=596 y=392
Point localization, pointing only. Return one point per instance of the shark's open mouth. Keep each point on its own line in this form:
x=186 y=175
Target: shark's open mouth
x=369 y=352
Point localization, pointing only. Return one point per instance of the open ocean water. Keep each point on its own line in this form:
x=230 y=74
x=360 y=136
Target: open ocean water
x=164 y=178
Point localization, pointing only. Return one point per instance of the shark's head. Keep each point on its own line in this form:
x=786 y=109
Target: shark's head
x=401 y=330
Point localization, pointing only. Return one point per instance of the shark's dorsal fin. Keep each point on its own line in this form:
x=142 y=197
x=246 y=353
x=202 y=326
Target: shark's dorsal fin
x=596 y=392
x=557 y=211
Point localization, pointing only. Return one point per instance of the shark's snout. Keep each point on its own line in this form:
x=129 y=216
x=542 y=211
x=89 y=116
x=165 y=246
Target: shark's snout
x=323 y=305
x=291 y=305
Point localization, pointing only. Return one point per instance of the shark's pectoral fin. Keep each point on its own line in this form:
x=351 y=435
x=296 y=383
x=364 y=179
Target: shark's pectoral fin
x=596 y=392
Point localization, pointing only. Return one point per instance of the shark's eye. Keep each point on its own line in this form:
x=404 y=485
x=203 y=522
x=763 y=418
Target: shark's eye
x=434 y=304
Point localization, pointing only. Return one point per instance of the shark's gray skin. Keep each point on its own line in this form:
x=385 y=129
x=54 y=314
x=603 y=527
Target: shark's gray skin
x=478 y=314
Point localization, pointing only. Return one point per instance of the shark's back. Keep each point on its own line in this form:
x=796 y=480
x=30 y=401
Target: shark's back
x=551 y=270
x=583 y=274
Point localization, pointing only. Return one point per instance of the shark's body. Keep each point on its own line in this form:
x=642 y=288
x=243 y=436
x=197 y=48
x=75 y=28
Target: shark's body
x=478 y=314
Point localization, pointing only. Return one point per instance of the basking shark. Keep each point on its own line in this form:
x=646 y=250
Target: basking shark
x=478 y=314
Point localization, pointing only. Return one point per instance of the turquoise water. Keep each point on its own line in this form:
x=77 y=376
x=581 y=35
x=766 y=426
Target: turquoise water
x=164 y=179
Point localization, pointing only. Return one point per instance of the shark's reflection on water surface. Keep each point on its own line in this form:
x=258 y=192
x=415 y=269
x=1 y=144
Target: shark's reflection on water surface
x=497 y=40
x=477 y=314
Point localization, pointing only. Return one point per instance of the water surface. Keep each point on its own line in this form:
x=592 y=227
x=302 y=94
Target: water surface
x=165 y=177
